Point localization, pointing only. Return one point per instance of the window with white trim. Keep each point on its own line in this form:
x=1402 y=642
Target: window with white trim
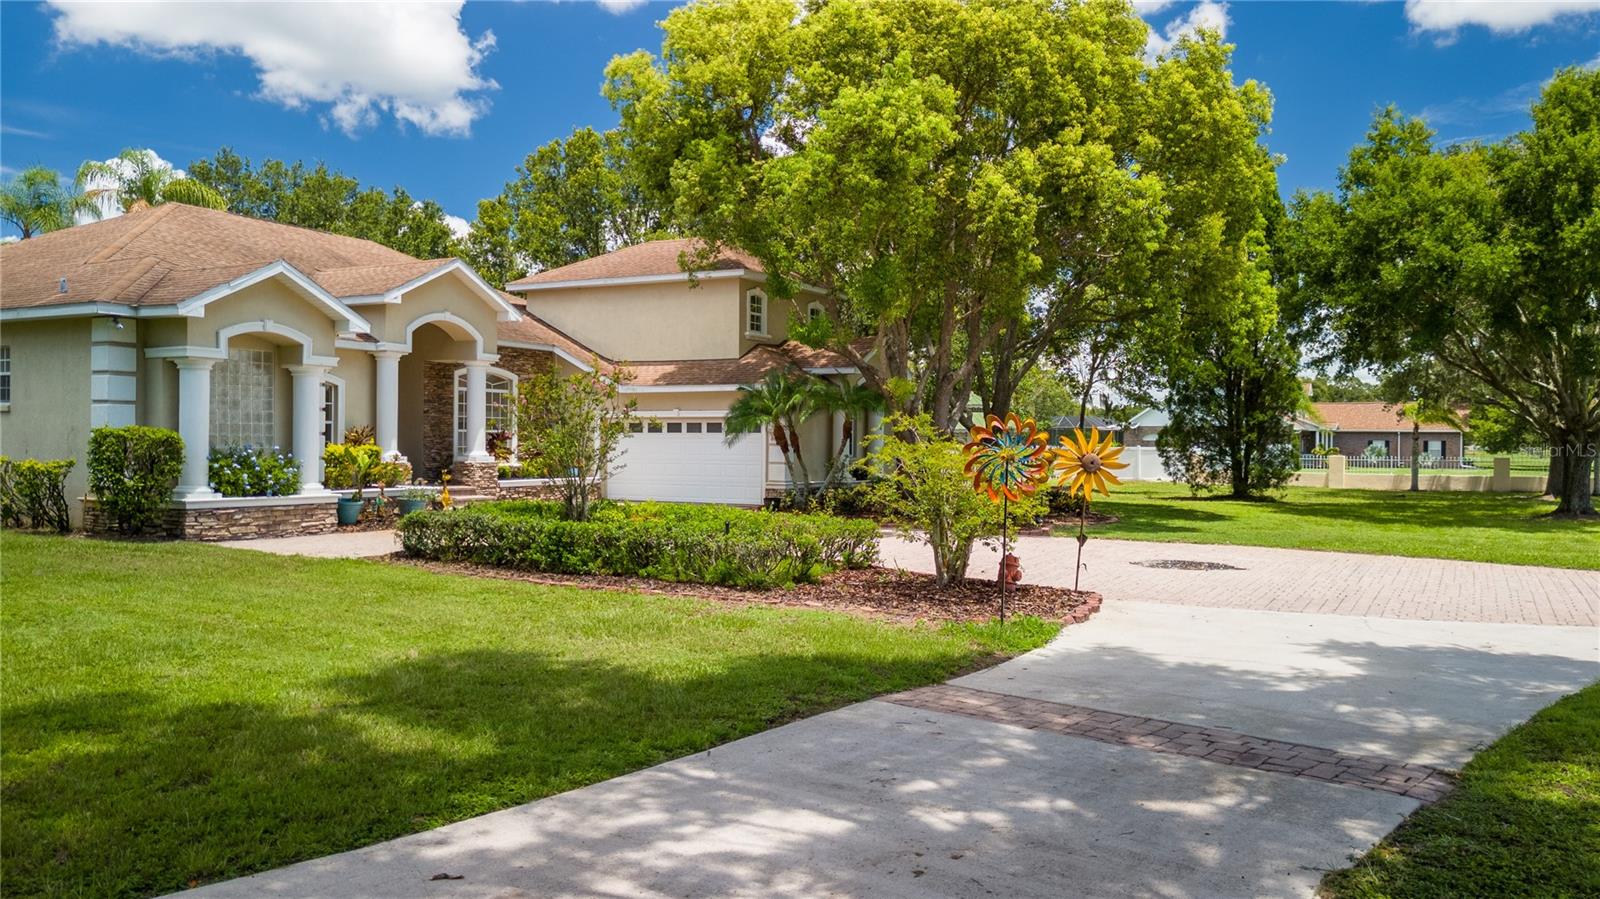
x=499 y=402
x=755 y=319
x=814 y=310
x=241 y=399
x=1434 y=448
x=5 y=375
x=331 y=431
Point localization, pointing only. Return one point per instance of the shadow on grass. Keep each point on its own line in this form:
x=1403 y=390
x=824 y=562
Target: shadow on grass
x=129 y=794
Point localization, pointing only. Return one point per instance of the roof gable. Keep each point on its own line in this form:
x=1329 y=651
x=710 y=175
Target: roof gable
x=652 y=260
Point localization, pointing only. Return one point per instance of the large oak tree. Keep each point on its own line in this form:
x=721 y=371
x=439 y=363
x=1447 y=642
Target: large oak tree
x=1484 y=258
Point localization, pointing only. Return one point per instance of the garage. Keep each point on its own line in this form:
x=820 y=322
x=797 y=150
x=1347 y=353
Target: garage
x=686 y=460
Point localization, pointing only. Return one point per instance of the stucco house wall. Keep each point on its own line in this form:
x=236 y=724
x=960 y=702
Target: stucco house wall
x=638 y=322
x=48 y=417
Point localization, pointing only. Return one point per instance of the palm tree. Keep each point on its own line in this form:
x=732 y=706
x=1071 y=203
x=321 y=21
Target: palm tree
x=851 y=399
x=135 y=178
x=782 y=401
x=1425 y=412
x=37 y=202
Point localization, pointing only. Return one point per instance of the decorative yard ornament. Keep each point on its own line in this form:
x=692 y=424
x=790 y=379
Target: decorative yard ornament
x=1084 y=466
x=1008 y=459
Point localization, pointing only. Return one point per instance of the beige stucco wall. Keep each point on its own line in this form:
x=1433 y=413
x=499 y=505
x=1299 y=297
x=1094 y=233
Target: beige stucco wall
x=447 y=293
x=359 y=373
x=270 y=300
x=647 y=322
x=49 y=413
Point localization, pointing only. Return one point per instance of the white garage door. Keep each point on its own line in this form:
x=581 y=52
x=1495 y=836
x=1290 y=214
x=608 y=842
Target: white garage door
x=686 y=460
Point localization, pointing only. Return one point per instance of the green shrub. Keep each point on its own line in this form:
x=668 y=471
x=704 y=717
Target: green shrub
x=132 y=471
x=33 y=493
x=670 y=541
x=251 y=471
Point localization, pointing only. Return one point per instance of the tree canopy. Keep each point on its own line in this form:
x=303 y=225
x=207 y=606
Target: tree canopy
x=1480 y=257
x=37 y=201
x=327 y=200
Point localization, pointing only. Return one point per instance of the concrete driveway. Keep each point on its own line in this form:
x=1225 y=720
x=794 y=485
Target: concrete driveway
x=1075 y=770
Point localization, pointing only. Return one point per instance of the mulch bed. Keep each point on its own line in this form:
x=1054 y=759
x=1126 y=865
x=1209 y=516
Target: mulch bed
x=886 y=593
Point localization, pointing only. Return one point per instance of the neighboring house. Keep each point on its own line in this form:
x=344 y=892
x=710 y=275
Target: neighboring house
x=1065 y=424
x=232 y=330
x=1143 y=429
x=1358 y=429
x=691 y=340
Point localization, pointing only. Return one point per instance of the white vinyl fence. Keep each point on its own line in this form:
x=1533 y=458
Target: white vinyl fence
x=1144 y=464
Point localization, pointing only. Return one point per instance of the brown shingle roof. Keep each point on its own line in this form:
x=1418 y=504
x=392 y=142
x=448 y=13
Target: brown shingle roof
x=656 y=257
x=747 y=369
x=163 y=254
x=533 y=329
x=1370 y=417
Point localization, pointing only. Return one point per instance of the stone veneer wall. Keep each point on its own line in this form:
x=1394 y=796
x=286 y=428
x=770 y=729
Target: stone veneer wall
x=438 y=406
x=513 y=490
x=229 y=522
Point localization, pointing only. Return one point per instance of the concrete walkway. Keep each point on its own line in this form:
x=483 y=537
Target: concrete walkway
x=1296 y=580
x=338 y=545
x=886 y=799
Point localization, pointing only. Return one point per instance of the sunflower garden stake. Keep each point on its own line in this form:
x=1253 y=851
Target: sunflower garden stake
x=1007 y=459
x=1083 y=466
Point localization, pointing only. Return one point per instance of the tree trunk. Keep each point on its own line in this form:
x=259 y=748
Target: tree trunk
x=1552 y=480
x=1575 y=496
x=1416 y=473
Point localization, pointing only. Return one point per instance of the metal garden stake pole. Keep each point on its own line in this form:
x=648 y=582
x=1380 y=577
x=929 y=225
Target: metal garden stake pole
x=1004 y=551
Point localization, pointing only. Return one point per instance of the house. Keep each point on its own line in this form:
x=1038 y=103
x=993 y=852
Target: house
x=691 y=340
x=232 y=331
x=1373 y=429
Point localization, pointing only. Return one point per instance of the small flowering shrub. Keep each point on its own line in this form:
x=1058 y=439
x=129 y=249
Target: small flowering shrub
x=254 y=471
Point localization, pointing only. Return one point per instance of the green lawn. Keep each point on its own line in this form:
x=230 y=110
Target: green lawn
x=178 y=713
x=1525 y=821
x=1487 y=527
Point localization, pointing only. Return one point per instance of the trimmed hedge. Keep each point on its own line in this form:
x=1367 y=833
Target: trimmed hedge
x=132 y=471
x=253 y=471
x=33 y=493
x=669 y=541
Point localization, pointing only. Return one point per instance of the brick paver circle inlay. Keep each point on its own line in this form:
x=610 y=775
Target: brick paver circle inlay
x=1214 y=744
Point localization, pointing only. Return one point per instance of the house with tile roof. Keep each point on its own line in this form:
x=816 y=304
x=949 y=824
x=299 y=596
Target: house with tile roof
x=236 y=331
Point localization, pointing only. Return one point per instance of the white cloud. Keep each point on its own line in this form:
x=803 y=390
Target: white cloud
x=1210 y=14
x=458 y=226
x=1499 y=16
x=618 y=7
x=360 y=60
x=1146 y=7
x=110 y=203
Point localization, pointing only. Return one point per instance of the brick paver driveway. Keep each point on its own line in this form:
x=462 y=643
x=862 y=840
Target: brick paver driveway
x=1297 y=580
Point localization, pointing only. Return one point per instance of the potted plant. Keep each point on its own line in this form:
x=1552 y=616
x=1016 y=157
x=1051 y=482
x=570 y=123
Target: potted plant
x=359 y=461
x=414 y=499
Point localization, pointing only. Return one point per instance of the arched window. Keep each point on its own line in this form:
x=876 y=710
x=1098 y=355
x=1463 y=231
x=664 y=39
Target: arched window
x=814 y=310
x=756 y=313
x=500 y=393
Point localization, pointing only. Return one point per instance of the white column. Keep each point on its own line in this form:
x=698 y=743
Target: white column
x=307 y=424
x=194 y=426
x=477 y=402
x=386 y=420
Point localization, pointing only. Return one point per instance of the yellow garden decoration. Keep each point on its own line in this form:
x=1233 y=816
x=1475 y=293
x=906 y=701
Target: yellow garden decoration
x=1084 y=465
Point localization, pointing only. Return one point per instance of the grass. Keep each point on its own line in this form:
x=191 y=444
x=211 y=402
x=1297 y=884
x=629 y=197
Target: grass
x=176 y=713
x=1485 y=527
x=1525 y=820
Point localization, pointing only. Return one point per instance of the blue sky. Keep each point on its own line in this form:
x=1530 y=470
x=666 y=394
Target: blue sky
x=447 y=101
